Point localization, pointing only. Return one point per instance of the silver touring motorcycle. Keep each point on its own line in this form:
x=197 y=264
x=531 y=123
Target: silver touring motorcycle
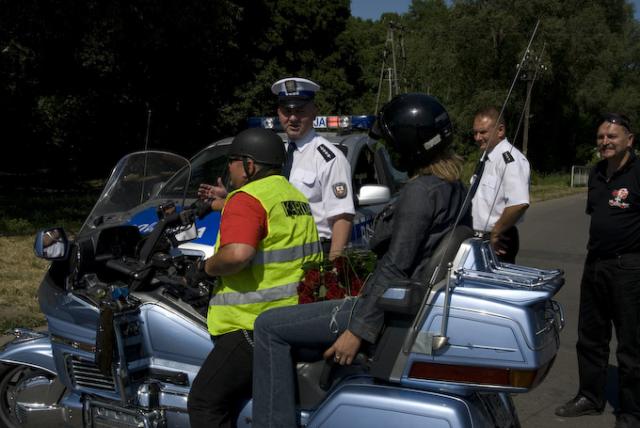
x=127 y=331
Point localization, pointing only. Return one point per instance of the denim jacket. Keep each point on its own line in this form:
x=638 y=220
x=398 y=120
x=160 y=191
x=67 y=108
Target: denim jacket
x=423 y=213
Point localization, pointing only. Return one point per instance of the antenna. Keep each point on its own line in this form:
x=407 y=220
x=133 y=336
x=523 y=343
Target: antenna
x=146 y=137
x=146 y=146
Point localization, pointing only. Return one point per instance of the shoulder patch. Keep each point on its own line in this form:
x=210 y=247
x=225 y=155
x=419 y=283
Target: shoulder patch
x=326 y=153
x=340 y=190
x=508 y=158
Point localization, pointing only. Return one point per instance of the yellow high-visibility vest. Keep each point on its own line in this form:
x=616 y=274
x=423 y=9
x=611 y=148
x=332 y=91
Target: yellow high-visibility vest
x=272 y=277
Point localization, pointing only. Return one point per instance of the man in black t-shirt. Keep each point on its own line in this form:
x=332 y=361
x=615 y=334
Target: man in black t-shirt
x=610 y=288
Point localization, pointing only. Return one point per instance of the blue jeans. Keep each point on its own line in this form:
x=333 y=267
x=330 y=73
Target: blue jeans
x=278 y=333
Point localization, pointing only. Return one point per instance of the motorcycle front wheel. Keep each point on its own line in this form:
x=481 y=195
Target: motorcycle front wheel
x=27 y=393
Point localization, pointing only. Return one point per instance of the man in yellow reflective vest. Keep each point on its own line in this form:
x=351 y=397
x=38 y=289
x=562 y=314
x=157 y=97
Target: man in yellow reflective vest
x=266 y=234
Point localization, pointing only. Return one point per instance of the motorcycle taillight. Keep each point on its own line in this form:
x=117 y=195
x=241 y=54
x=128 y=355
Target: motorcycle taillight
x=495 y=376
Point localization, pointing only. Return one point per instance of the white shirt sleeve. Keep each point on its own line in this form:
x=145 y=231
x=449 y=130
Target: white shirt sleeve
x=337 y=192
x=516 y=182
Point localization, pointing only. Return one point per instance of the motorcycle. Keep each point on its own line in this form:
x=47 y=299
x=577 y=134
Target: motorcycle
x=126 y=327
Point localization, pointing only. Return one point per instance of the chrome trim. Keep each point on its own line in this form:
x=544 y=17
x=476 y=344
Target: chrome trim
x=82 y=346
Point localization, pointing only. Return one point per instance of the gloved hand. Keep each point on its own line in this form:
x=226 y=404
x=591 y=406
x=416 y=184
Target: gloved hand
x=195 y=273
x=202 y=207
x=187 y=217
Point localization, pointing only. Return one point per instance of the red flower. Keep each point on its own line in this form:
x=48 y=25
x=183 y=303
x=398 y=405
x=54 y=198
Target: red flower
x=355 y=286
x=330 y=279
x=340 y=263
x=304 y=288
x=312 y=276
x=335 y=292
x=337 y=278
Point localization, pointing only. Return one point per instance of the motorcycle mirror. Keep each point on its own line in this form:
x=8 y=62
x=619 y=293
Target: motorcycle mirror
x=51 y=244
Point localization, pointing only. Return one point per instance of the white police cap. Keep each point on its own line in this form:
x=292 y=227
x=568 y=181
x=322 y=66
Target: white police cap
x=294 y=91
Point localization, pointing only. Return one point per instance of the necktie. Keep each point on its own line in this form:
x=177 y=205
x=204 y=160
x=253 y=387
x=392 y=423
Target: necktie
x=478 y=175
x=286 y=168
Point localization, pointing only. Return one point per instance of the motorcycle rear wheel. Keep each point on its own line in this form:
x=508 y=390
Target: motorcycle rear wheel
x=31 y=385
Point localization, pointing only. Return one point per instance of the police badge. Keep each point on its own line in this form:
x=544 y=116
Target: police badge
x=340 y=190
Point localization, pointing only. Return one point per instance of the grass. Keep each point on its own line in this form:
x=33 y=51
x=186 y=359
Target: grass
x=551 y=186
x=21 y=272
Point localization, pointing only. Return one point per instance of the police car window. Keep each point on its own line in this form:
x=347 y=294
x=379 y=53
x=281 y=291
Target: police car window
x=206 y=167
x=365 y=171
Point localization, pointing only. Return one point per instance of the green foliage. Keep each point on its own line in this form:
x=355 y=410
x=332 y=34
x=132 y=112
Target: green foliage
x=79 y=78
x=25 y=210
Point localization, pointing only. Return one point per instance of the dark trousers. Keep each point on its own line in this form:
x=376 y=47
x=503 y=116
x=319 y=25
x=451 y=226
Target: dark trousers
x=511 y=241
x=610 y=295
x=223 y=383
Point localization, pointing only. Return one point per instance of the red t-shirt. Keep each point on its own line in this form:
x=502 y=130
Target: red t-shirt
x=244 y=221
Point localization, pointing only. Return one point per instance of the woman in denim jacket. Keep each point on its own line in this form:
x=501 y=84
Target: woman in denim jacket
x=417 y=130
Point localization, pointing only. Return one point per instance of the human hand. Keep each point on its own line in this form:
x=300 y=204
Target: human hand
x=209 y=191
x=498 y=242
x=344 y=349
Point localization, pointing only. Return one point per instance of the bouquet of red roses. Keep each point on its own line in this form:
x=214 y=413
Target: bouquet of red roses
x=342 y=277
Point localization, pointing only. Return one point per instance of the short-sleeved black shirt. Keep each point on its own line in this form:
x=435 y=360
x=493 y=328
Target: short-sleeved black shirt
x=614 y=207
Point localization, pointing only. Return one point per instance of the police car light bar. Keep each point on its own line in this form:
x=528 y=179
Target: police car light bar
x=363 y=122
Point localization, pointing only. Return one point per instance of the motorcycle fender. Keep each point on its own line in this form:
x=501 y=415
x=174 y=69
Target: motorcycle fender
x=32 y=350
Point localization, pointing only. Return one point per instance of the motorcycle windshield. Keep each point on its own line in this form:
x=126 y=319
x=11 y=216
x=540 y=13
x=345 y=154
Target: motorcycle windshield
x=206 y=167
x=135 y=179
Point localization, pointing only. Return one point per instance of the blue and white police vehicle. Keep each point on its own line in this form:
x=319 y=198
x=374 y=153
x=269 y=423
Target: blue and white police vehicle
x=375 y=181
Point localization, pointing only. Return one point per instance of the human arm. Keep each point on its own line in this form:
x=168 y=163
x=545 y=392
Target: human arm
x=230 y=259
x=508 y=219
x=516 y=194
x=337 y=201
x=340 y=233
x=242 y=226
x=413 y=219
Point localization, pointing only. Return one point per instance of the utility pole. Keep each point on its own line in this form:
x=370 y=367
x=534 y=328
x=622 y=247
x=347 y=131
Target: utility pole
x=531 y=66
x=389 y=72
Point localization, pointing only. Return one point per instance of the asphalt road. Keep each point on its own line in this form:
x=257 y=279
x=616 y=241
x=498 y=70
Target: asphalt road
x=554 y=235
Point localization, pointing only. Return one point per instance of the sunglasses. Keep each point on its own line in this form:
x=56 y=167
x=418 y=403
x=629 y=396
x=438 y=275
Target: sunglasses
x=618 y=119
x=232 y=159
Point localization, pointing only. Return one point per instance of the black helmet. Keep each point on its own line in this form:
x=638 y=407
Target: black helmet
x=262 y=145
x=413 y=125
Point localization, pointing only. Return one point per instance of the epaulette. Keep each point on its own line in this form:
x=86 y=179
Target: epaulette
x=326 y=153
x=508 y=158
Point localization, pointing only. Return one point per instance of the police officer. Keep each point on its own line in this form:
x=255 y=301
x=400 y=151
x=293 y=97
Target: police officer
x=315 y=166
x=418 y=129
x=610 y=287
x=502 y=196
x=266 y=234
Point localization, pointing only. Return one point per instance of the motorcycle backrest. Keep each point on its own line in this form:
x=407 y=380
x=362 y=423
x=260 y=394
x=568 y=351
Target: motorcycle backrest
x=445 y=252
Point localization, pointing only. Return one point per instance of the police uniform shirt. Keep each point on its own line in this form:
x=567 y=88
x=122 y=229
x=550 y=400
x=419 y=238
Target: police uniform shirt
x=323 y=174
x=505 y=179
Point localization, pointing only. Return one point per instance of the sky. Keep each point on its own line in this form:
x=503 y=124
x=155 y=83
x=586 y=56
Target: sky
x=372 y=9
